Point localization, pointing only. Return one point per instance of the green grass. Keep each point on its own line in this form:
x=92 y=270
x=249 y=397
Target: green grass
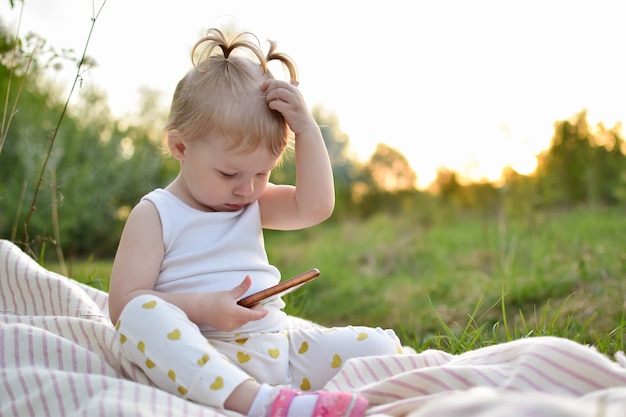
x=92 y=272
x=468 y=282
x=460 y=284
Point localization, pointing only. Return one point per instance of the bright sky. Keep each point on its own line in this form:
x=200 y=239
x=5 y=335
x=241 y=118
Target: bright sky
x=470 y=85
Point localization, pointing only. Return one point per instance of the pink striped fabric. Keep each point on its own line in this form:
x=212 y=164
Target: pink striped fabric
x=57 y=358
x=532 y=377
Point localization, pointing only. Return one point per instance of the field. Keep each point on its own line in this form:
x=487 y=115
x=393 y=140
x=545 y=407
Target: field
x=461 y=283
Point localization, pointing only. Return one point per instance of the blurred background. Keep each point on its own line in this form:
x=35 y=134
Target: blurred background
x=477 y=148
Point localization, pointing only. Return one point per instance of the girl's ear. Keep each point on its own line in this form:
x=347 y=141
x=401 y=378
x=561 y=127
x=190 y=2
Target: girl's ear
x=176 y=144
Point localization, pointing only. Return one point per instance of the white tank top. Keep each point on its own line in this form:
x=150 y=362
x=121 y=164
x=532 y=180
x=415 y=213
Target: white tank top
x=214 y=251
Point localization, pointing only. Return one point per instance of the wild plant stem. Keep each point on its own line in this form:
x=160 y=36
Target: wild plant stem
x=6 y=119
x=55 y=222
x=18 y=210
x=77 y=79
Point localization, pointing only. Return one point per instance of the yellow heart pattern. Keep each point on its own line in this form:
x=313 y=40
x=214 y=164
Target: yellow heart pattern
x=149 y=305
x=241 y=341
x=362 y=336
x=217 y=384
x=305 y=385
x=337 y=361
x=274 y=353
x=204 y=359
x=119 y=323
x=122 y=338
x=243 y=357
x=303 y=348
x=141 y=346
x=171 y=374
x=174 y=334
x=149 y=364
x=182 y=390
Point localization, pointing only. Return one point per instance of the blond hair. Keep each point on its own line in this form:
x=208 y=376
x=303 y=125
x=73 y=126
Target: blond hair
x=221 y=95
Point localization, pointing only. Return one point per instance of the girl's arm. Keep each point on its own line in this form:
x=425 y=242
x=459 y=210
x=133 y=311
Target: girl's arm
x=136 y=269
x=312 y=200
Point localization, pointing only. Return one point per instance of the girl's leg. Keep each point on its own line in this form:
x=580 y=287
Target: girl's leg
x=169 y=348
x=265 y=356
x=317 y=354
x=159 y=338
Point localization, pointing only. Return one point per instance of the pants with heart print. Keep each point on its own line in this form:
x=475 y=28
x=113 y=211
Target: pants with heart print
x=159 y=338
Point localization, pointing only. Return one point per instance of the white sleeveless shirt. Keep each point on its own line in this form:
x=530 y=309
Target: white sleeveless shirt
x=214 y=251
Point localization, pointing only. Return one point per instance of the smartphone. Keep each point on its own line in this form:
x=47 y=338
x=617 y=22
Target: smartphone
x=279 y=289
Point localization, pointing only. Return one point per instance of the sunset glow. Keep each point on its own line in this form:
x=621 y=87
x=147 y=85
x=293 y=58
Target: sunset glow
x=469 y=86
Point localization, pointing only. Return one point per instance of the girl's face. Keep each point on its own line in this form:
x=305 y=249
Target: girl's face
x=215 y=179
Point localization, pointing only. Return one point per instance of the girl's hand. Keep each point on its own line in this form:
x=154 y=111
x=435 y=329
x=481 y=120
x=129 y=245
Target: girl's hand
x=221 y=311
x=287 y=99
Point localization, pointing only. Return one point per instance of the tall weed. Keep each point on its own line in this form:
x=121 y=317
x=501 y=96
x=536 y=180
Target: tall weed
x=9 y=111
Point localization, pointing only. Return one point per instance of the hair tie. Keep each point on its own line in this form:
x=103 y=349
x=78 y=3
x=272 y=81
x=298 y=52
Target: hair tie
x=226 y=51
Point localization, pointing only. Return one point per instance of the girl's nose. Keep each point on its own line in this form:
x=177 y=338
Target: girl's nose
x=245 y=188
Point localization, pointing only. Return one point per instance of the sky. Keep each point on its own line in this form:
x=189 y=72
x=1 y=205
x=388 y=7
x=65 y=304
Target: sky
x=469 y=85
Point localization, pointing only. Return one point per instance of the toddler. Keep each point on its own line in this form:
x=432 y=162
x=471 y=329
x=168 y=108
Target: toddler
x=191 y=250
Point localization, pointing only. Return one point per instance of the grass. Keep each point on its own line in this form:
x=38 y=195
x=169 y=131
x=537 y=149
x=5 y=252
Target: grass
x=461 y=284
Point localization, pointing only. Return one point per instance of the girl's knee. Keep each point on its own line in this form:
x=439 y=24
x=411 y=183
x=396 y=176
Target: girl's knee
x=139 y=303
x=352 y=340
x=146 y=309
x=379 y=341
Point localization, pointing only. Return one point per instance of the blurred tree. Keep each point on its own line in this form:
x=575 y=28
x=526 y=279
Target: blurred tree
x=580 y=167
x=98 y=166
x=338 y=145
x=610 y=164
x=519 y=194
x=346 y=170
x=28 y=121
x=114 y=164
x=391 y=170
x=447 y=186
x=563 y=168
x=387 y=183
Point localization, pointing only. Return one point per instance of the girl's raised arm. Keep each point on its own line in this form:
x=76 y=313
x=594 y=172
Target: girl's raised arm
x=312 y=200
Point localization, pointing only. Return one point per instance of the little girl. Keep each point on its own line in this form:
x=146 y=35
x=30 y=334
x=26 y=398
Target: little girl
x=190 y=251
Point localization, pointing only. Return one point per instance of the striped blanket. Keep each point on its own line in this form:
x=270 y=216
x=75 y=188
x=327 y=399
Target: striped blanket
x=57 y=358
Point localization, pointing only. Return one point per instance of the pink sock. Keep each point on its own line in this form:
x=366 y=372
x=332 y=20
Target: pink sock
x=301 y=405
x=287 y=402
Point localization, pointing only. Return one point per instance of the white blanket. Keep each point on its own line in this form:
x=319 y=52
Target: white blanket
x=57 y=358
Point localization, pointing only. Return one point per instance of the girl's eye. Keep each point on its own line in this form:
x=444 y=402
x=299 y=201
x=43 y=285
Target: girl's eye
x=226 y=174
